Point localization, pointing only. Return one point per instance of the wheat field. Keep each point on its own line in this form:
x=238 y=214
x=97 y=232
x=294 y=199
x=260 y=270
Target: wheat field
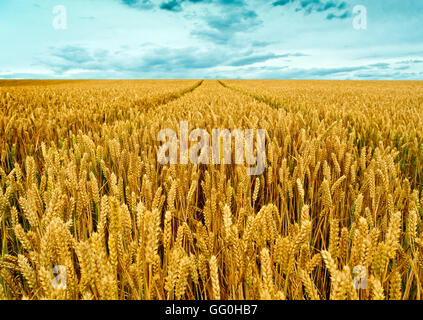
x=340 y=198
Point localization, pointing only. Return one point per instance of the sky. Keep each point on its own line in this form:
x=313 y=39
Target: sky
x=225 y=39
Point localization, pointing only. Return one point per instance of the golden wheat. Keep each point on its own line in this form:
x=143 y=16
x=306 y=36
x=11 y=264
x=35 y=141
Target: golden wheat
x=340 y=199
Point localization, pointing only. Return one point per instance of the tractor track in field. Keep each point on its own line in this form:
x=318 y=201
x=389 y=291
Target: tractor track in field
x=159 y=100
x=167 y=98
x=264 y=99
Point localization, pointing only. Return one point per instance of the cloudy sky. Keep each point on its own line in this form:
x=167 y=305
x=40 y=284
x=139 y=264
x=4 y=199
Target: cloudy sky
x=302 y=39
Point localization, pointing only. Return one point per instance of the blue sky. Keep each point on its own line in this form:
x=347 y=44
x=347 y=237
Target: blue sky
x=276 y=39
